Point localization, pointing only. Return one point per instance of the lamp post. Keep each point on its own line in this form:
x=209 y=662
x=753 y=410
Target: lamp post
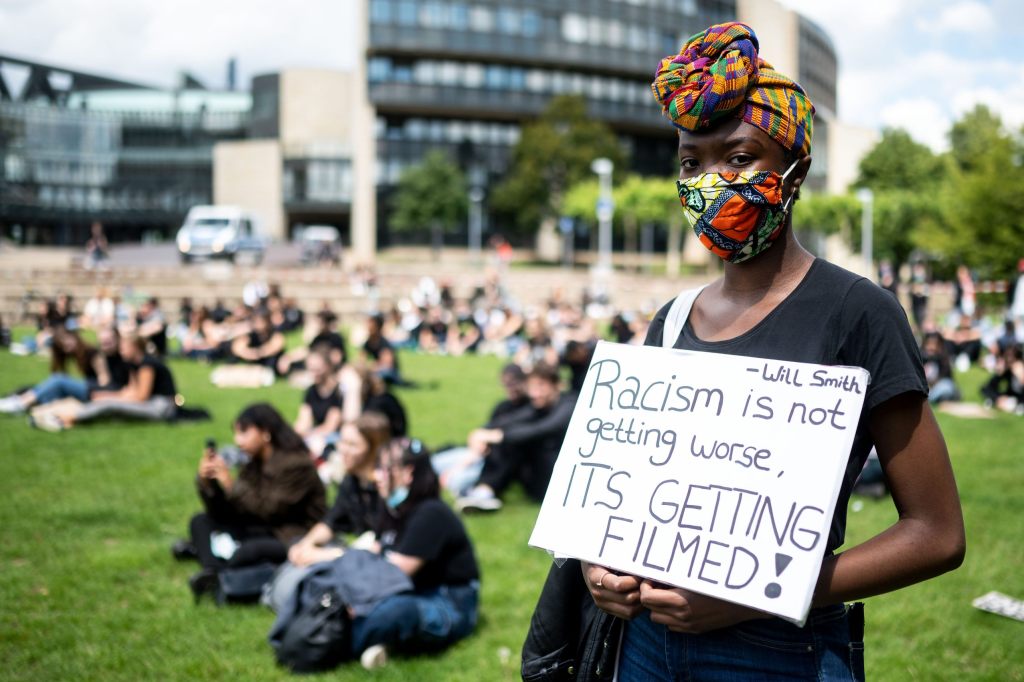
x=476 y=198
x=605 y=210
x=867 y=200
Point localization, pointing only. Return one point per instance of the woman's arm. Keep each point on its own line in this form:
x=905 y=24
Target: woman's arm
x=310 y=550
x=408 y=564
x=240 y=348
x=928 y=538
x=273 y=346
x=102 y=369
x=332 y=422
x=304 y=420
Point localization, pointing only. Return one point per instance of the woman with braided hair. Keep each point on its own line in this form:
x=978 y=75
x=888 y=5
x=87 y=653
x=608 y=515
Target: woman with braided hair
x=744 y=151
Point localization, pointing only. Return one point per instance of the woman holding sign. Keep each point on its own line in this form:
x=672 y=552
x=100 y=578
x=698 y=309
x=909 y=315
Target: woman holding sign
x=744 y=151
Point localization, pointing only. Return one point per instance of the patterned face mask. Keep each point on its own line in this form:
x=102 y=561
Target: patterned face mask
x=735 y=215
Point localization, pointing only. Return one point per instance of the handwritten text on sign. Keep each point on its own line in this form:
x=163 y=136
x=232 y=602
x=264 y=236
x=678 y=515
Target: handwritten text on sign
x=712 y=472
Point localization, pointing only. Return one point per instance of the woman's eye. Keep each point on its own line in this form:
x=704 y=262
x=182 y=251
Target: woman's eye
x=741 y=159
x=688 y=164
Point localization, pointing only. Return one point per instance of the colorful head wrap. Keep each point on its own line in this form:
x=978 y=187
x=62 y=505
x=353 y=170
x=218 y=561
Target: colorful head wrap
x=718 y=74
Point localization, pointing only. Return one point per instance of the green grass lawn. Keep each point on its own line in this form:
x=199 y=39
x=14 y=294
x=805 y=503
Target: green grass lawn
x=88 y=589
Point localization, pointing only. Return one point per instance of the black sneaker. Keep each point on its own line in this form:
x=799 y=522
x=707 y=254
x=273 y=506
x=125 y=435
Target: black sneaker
x=184 y=550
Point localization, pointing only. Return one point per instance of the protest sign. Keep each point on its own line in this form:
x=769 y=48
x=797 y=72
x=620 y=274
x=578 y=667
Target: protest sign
x=716 y=473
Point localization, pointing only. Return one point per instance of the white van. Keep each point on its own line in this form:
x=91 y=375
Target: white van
x=220 y=232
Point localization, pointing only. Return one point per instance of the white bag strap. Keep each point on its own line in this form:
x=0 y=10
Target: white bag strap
x=677 y=314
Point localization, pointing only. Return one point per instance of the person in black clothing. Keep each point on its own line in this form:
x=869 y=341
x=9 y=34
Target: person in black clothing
x=365 y=391
x=252 y=517
x=261 y=346
x=380 y=353
x=938 y=369
x=327 y=338
x=357 y=504
x=320 y=414
x=418 y=533
x=1005 y=388
x=459 y=467
x=102 y=369
x=524 y=446
x=149 y=394
x=151 y=326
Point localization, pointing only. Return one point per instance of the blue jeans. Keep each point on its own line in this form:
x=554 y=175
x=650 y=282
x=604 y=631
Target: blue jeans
x=459 y=481
x=58 y=386
x=766 y=649
x=414 y=622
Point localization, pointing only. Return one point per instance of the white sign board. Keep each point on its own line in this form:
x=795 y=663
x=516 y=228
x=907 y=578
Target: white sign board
x=715 y=473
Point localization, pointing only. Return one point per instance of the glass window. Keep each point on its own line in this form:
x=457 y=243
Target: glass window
x=473 y=75
x=455 y=131
x=509 y=21
x=574 y=28
x=458 y=16
x=432 y=14
x=379 y=69
x=616 y=33
x=478 y=132
x=449 y=73
x=406 y=12
x=536 y=80
x=596 y=34
x=531 y=23
x=516 y=79
x=415 y=129
x=381 y=11
x=436 y=130
x=497 y=77
x=637 y=40
x=481 y=19
x=425 y=72
x=402 y=73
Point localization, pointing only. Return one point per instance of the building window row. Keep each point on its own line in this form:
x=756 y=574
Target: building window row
x=476 y=76
x=457 y=16
x=448 y=130
x=529 y=23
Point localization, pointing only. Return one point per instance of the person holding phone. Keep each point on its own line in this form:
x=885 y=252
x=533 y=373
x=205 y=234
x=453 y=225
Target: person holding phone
x=251 y=518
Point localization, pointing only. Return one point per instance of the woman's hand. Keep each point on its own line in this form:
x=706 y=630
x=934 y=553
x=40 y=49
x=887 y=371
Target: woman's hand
x=306 y=554
x=214 y=468
x=684 y=611
x=616 y=594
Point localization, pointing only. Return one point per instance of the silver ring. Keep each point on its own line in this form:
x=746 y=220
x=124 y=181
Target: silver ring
x=601 y=580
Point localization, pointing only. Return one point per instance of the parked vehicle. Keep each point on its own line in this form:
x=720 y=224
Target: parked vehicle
x=320 y=245
x=220 y=232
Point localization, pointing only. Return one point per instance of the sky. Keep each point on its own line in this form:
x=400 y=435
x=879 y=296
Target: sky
x=915 y=64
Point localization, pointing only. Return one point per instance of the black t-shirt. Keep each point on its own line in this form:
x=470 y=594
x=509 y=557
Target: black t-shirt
x=119 y=371
x=321 y=405
x=356 y=507
x=388 y=405
x=433 y=532
x=163 y=382
x=833 y=317
x=374 y=347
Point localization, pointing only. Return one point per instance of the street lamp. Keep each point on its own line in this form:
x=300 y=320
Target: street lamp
x=867 y=200
x=605 y=210
x=476 y=197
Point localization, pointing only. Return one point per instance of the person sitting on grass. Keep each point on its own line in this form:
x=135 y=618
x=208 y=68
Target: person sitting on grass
x=325 y=336
x=102 y=369
x=938 y=369
x=150 y=393
x=262 y=345
x=1005 y=388
x=252 y=517
x=379 y=353
x=524 y=446
x=357 y=503
x=459 y=467
x=319 y=415
x=421 y=535
x=365 y=391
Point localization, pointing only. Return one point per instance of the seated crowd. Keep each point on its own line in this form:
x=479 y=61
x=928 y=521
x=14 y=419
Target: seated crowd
x=343 y=485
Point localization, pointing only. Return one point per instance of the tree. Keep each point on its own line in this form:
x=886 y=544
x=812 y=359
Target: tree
x=897 y=162
x=431 y=194
x=827 y=213
x=552 y=154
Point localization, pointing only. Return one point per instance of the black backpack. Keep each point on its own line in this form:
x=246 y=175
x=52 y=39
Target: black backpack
x=318 y=638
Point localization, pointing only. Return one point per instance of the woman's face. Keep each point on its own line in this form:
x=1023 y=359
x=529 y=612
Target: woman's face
x=318 y=369
x=391 y=476
x=354 y=449
x=250 y=439
x=733 y=146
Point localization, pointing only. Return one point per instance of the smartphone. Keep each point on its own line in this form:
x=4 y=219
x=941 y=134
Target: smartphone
x=211 y=444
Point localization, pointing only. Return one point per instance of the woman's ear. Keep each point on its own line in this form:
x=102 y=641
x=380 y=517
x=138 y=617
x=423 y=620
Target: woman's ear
x=803 y=165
